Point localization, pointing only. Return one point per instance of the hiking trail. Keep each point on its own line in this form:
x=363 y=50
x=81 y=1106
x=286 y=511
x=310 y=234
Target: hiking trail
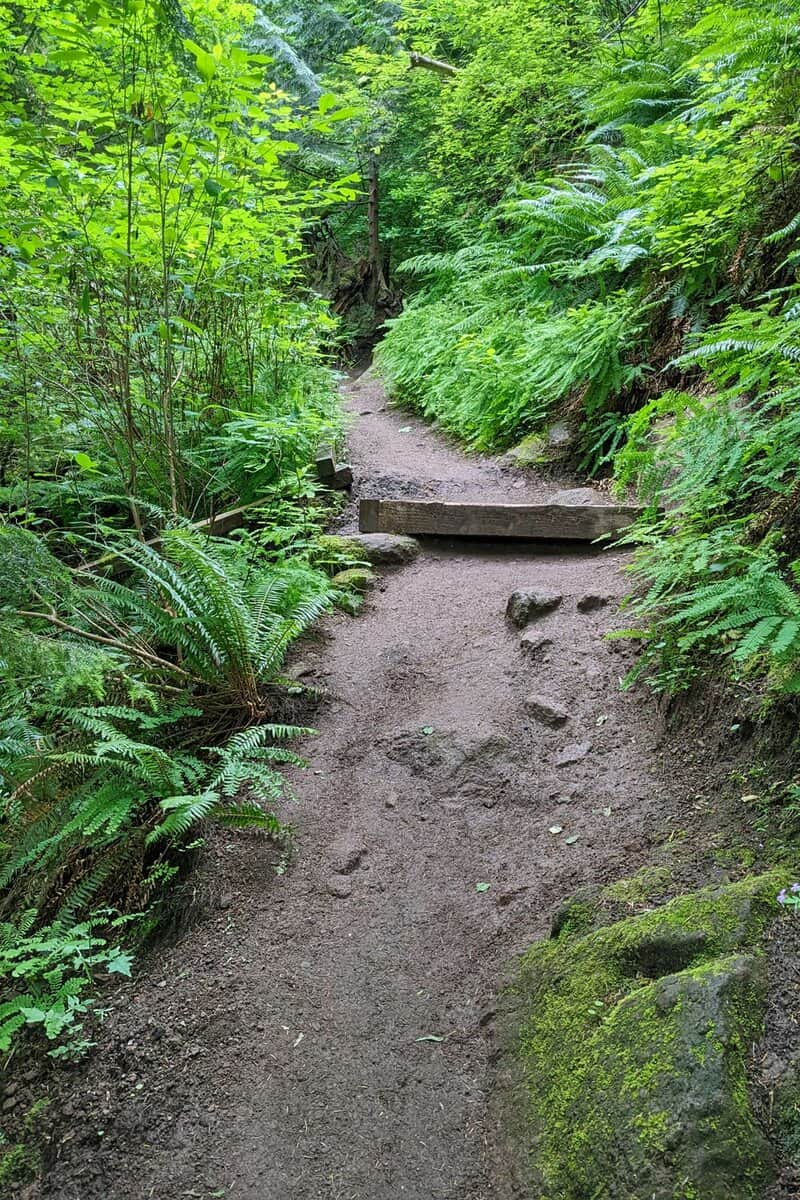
x=323 y=1033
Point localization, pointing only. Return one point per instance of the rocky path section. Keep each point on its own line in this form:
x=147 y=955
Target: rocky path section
x=321 y=1034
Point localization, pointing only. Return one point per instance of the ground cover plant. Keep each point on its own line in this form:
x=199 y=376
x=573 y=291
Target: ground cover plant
x=161 y=359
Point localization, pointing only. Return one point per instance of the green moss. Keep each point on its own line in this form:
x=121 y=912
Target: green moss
x=532 y=451
x=619 y=1025
x=356 y=579
x=20 y=1162
x=333 y=553
x=641 y=888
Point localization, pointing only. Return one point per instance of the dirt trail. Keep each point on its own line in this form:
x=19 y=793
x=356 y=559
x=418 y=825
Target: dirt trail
x=278 y=1050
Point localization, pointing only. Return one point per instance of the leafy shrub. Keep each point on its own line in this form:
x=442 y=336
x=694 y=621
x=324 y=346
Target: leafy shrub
x=111 y=694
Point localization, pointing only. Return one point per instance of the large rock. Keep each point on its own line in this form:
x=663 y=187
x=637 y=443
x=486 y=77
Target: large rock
x=526 y=605
x=624 y=1052
x=385 y=549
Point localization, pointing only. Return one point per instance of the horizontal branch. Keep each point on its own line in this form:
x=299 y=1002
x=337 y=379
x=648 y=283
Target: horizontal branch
x=433 y=64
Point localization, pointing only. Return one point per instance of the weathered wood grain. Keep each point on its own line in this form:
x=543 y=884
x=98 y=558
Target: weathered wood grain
x=550 y=522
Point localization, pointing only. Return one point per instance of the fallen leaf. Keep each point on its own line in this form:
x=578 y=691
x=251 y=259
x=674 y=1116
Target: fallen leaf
x=482 y=887
x=556 y=829
x=430 y=1037
x=405 y=429
x=601 y=720
x=427 y=730
x=570 y=841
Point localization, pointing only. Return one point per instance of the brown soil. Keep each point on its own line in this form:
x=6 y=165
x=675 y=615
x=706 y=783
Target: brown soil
x=320 y=1035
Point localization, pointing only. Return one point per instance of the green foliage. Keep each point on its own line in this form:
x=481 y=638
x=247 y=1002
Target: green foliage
x=54 y=970
x=111 y=692
x=622 y=251
x=149 y=281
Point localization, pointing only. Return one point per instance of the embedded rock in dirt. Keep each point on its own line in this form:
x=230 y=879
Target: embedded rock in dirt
x=534 y=644
x=530 y=452
x=575 y=496
x=591 y=602
x=347 y=854
x=573 y=753
x=340 y=887
x=455 y=764
x=546 y=713
x=526 y=605
x=386 y=549
x=560 y=435
x=624 y=1051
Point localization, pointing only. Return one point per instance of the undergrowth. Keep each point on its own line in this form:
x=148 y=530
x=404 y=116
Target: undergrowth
x=641 y=283
x=138 y=707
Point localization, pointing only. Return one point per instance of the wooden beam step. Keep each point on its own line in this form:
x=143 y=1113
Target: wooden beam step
x=547 y=522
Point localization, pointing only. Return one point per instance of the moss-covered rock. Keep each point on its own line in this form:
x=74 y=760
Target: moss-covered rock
x=355 y=579
x=530 y=452
x=628 y=1044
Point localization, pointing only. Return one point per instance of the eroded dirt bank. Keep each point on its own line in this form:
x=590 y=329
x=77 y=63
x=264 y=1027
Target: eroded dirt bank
x=321 y=1034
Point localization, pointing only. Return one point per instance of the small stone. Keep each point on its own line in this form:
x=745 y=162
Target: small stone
x=534 y=644
x=573 y=496
x=391 y=801
x=225 y=901
x=386 y=549
x=573 y=753
x=526 y=605
x=544 y=712
x=340 y=887
x=591 y=602
x=560 y=434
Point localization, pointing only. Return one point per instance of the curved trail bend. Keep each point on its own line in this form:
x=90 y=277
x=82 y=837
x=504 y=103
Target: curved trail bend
x=278 y=1051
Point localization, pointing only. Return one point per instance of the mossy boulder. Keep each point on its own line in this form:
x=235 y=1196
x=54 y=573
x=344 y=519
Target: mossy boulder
x=530 y=452
x=355 y=579
x=625 y=1047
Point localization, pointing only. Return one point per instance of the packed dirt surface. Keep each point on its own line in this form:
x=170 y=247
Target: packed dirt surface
x=322 y=1034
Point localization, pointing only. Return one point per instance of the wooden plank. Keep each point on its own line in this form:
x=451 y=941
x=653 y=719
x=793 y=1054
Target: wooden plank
x=218 y=526
x=550 y=522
